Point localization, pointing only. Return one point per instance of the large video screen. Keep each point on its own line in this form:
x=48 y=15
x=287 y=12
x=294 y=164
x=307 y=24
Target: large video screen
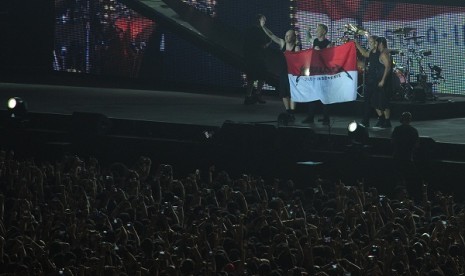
x=106 y=38
x=100 y=37
x=429 y=40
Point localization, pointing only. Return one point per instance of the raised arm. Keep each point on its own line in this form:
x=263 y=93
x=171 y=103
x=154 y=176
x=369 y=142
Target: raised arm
x=362 y=50
x=273 y=37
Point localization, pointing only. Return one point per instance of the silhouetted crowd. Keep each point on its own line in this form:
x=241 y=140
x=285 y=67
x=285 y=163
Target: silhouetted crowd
x=74 y=217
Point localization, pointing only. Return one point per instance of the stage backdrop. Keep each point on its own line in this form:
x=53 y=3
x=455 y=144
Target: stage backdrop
x=440 y=32
x=105 y=38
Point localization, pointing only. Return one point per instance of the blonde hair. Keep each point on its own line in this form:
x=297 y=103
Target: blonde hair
x=323 y=26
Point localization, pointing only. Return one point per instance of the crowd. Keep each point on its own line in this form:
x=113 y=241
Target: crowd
x=79 y=217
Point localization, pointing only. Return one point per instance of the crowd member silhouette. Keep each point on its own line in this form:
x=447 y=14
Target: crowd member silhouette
x=289 y=43
x=405 y=138
x=254 y=45
x=78 y=217
x=405 y=141
x=320 y=42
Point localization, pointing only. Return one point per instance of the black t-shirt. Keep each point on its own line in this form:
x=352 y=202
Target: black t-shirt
x=283 y=49
x=322 y=44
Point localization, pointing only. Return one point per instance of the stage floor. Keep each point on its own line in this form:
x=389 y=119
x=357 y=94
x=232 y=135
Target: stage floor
x=201 y=109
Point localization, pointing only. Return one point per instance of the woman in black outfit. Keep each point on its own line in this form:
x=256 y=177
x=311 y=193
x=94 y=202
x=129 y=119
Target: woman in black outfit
x=370 y=81
x=382 y=85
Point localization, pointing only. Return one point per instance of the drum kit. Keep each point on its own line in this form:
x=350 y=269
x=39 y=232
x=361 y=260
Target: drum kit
x=351 y=31
x=407 y=62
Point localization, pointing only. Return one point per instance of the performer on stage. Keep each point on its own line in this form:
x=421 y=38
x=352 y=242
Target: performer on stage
x=289 y=43
x=373 y=56
x=320 y=42
x=255 y=43
x=382 y=92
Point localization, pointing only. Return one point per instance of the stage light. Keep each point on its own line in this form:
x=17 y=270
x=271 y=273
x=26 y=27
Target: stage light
x=358 y=134
x=305 y=71
x=17 y=108
x=352 y=126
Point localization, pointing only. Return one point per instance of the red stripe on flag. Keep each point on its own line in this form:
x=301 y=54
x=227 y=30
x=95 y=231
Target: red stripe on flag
x=327 y=61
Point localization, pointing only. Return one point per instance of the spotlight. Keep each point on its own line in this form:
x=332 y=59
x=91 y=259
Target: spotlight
x=352 y=126
x=358 y=134
x=17 y=108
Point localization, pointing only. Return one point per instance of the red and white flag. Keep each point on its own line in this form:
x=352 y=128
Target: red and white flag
x=329 y=75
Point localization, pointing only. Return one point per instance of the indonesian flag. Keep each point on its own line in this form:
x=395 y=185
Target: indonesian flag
x=329 y=75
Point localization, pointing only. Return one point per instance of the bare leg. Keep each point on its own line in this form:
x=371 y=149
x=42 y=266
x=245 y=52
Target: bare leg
x=387 y=113
x=287 y=103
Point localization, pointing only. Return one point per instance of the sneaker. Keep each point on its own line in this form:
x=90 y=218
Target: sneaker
x=380 y=122
x=308 y=120
x=387 y=123
x=291 y=118
x=290 y=113
x=249 y=100
x=259 y=99
x=283 y=119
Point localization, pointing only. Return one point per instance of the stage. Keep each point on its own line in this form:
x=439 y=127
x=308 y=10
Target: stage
x=437 y=119
x=117 y=124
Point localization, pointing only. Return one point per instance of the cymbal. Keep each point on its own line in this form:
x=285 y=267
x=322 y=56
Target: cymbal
x=415 y=37
x=356 y=29
x=404 y=31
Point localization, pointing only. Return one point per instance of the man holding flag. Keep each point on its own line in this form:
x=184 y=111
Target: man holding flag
x=320 y=42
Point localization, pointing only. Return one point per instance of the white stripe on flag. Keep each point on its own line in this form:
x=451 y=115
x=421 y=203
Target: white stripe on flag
x=337 y=88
